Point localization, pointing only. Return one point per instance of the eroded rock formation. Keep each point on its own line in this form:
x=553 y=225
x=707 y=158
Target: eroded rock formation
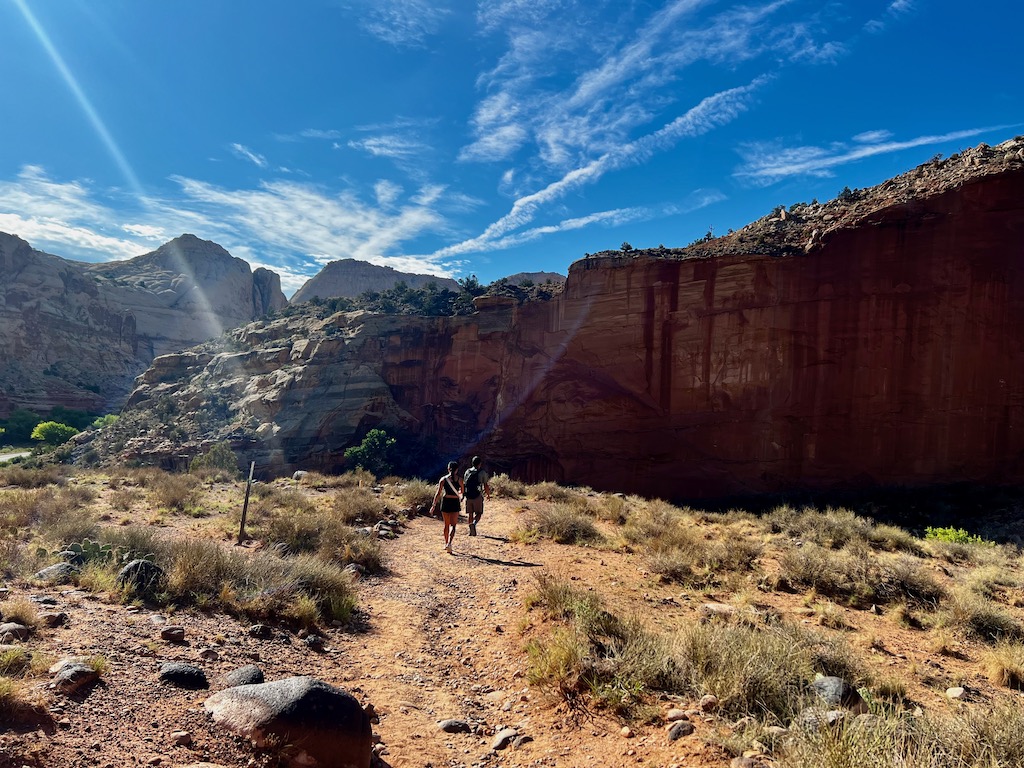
x=350 y=278
x=76 y=334
x=875 y=340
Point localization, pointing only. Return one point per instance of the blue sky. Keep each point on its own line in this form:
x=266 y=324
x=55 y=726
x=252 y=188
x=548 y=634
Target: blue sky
x=453 y=137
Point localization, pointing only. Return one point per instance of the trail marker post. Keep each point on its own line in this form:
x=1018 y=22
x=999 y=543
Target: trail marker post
x=245 y=506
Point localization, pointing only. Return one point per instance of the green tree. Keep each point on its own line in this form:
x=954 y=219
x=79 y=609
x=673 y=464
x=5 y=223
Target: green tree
x=20 y=424
x=103 y=421
x=53 y=432
x=374 y=454
x=220 y=456
x=73 y=418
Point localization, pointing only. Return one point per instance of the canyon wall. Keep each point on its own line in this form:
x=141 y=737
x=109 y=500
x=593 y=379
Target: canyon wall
x=889 y=350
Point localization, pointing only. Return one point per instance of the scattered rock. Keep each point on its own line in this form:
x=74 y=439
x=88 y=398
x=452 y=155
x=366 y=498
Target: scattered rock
x=503 y=738
x=708 y=703
x=250 y=674
x=626 y=732
x=60 y=573
x=521 y=739
x=209 y=654
x=956 y=693
x=679 y=729
x=710 y=611
x=173 y=634
x=261 y=632
x=836 y=692
x=181 y=738
x=455 y=726
x=53 y=619
x=72 y=675
x=14 y=633
x=314 y=642
x=675 y=714
x=324 y=725
x=183 y=675
x=814 y=718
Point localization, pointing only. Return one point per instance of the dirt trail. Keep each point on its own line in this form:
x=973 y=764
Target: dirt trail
x=446 y=637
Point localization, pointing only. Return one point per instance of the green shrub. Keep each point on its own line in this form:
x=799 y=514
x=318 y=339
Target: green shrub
x=504 y=487
x=220 y=457
x=565 y=524
x=953 y=535
x=375 y=453
x=53 y=433
x=977 y=616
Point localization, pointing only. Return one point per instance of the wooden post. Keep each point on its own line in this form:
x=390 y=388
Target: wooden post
x=245 y=506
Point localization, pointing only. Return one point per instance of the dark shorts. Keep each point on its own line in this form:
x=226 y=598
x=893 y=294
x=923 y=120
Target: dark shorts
x=475 y=508
x=450 y=504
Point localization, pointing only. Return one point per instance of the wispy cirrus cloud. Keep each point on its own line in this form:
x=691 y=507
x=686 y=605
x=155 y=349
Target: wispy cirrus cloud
x=894 y=11
x=619 y=84
x=711 y=112
x=765 y=163
x=242 y=151
x=401 y=23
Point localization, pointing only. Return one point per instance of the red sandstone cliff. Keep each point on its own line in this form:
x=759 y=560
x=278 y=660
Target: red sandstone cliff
x=886 y=346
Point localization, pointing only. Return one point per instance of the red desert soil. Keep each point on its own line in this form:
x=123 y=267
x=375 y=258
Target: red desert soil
x=440 y=636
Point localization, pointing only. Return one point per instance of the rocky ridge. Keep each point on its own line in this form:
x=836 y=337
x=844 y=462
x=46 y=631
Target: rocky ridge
x=76 y=334
x=827 y=345
x=349 y=278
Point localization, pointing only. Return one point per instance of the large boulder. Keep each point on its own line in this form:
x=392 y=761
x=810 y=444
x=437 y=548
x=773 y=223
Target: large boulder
x=314 y=723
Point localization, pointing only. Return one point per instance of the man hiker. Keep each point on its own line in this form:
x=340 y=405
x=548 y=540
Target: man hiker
x=475 y=487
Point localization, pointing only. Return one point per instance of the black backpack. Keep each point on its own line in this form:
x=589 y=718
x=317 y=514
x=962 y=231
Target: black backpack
x=471 y=482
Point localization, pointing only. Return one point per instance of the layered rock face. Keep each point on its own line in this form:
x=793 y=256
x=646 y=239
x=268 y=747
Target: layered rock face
x=888 y=350
x=349 y=278
x=76 y=334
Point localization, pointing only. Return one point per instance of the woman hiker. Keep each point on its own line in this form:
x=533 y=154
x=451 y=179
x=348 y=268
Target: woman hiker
x=449 y=489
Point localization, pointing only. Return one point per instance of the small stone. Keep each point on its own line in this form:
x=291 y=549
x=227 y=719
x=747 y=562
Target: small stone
x=455 y=726
x=209 y=654
x=250 y=674
x=71 y=675
x=518 y=741
x=626 y=732
x=956 y=693
x=708 y=703
x=173 y=634
x=13 y=633
x=61 y=573
x=183 y=675
x=51 y=619
x=181 y=738
x=674 y=715
x=679 y=729
x=503 y=738
x=261 y=631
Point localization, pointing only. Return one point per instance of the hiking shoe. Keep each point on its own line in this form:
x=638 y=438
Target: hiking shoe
x=472 y=529
x=448 y=549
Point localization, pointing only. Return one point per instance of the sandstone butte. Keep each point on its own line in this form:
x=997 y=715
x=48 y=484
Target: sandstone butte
x=877 y=339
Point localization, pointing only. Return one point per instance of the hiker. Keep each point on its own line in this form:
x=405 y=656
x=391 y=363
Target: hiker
x=449 y=488
x=475 y=486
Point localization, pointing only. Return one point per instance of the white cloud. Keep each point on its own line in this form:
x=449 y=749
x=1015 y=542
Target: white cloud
x=390 y=146
x=146 y=231
x=386 y=192
x=710 y=113
x=873 y=137
x=766 y=163
x=245 y=153
x=402 y=23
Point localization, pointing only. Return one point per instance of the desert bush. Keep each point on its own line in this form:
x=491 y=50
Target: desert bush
x=123 y=499
x=835 y=528
x=762 y=671
x=358 y=505
x=32 y=478
x=19 y=703
x=343 y=545
x=565 y=524
x=19 y=509
x=504 y=487
x=176 y=493
x=549 y=491
x=976 y=616
x=417 y=494
x=14 y=661
x=986 y=580
x=889 y=741
x=20 y=610
x=1004 y=664
x=218 y=462
x=356 y=478
x=990 y=735
x=858 y=577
